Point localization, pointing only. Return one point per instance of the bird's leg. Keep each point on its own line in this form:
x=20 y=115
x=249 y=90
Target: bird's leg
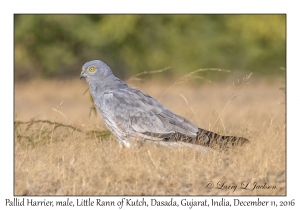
x=124 y=145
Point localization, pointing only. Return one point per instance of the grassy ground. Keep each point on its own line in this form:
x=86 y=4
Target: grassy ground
x=51 y=160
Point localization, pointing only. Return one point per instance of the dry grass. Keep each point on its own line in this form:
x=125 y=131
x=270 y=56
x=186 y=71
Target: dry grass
x=64 y=161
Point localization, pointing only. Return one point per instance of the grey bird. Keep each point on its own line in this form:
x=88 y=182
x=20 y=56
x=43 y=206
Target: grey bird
x=133 y=115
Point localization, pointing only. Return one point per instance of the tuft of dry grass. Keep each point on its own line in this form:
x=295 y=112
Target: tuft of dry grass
x=60 y=160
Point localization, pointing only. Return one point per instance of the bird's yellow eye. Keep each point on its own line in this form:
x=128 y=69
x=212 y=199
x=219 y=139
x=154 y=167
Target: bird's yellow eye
x=91 y=69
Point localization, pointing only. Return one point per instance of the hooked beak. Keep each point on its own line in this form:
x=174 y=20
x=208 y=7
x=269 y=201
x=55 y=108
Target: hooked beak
x=82 y=74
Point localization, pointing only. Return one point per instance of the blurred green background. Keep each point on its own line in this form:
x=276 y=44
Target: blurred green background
x=56 y=46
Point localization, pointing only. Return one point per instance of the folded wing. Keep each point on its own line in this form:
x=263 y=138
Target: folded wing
x=139 y=114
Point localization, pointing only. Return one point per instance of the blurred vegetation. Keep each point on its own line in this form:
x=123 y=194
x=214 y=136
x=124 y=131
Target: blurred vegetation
x=58 y=45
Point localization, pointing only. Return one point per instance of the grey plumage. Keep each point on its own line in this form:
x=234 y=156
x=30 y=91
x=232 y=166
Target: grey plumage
x=131 y=114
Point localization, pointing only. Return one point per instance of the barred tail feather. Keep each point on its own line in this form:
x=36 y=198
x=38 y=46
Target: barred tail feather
x=209 y=139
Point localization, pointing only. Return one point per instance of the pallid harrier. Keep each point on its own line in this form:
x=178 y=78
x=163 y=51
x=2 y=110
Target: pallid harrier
x=133 y=115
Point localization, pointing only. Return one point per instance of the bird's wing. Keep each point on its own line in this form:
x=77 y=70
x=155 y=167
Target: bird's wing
x=140 y=114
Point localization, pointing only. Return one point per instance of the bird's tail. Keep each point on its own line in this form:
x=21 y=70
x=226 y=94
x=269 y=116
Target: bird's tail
x=210 y=139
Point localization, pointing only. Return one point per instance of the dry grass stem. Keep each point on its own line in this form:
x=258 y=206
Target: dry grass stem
x=190 y=76
x=233 y=96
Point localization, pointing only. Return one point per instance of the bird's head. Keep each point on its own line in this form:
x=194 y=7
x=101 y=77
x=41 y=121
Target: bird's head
x=95 y=69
